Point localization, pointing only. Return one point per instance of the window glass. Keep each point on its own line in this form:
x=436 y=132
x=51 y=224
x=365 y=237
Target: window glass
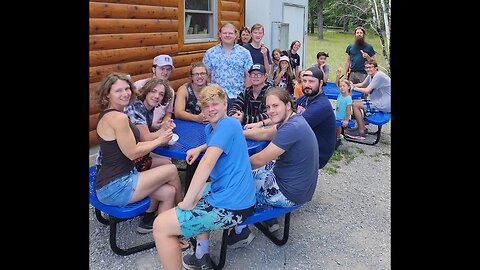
x=198 y=4
x=200 y=22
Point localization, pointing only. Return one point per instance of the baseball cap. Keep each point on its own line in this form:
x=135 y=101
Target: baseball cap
x=317 y=73
x=258 y=67
x=284 y=58
x=163 y=60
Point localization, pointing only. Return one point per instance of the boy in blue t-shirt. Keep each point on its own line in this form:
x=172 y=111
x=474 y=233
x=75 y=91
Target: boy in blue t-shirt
x=225 y=202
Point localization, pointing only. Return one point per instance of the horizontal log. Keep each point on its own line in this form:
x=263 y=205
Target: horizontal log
x=178 y=61
x=92 y=138
x=233 y=1
x=92 y=121
x=129 y=11
x=163 y=3
x=177 y=83
x=97 y=73
x=94 y=109
x=118 y=26
x=117 y=41
x=230 y=15
x=196 y=47
x=139 y=67
x=229 y=6
x=236 y=23
x=107 y=57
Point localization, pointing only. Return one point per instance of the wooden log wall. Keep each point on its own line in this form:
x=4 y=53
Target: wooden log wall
x=125 y=36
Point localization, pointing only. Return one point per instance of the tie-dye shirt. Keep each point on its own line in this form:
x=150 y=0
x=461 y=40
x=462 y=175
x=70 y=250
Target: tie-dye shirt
x=228 y=71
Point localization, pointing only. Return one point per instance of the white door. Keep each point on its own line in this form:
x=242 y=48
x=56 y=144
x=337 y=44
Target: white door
x=294 y=15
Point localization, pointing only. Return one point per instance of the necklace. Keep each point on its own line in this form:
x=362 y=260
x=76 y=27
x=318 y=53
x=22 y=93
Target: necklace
x=290 y=115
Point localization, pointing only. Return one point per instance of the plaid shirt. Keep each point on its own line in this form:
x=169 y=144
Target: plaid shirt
x=253 y=109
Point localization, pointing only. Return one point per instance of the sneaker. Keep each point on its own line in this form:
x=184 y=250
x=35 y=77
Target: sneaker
x=190 y=261
x=355 y=134
x=146 y=223
x=272 y=225
x=240 y=240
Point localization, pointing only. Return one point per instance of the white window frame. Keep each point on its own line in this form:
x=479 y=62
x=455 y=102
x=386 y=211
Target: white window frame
x=212 y=27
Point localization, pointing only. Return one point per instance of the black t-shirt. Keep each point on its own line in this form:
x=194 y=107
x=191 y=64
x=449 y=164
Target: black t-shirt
x=294 y=60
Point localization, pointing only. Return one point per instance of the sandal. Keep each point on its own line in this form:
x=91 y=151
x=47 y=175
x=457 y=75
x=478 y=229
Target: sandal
x=184 y=243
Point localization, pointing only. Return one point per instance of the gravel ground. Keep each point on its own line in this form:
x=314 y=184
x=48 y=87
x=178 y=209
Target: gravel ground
x=345 y=226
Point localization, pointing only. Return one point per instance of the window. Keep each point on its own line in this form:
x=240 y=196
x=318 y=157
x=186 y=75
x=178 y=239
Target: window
x=200 y=21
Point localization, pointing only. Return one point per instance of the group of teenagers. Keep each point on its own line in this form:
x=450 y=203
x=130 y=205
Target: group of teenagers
x=136 y=118
x=361 y=74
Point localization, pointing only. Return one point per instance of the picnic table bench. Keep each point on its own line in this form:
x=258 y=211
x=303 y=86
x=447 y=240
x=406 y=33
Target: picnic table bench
x=379 y=119
x=261 y=213
x=117 y=215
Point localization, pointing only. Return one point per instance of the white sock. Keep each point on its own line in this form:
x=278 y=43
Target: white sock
x=202 y=248
x=239 y=229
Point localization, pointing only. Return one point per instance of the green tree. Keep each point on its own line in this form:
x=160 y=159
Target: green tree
x=320 y=19
x=372 y=13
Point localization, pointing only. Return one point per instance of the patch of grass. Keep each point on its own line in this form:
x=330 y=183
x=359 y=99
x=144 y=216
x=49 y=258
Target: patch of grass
x=342 y=153
x=334 y=165
x=337 y=156
x=330 y=170
x=335 y=43
x=349 y=159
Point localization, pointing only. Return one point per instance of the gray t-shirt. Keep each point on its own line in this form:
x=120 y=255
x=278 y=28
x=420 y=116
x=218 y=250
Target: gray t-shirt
x=296 y=170
x=381 y=93
x=326 y=68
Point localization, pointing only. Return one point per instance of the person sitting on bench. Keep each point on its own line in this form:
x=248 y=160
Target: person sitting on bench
x=226 y=201
x=377 y=84
x=286 y=171
x=118 y=181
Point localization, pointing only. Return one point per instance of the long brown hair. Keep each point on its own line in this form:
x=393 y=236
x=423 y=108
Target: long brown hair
x=281 y=94
x=105 y=86
x=150 y=84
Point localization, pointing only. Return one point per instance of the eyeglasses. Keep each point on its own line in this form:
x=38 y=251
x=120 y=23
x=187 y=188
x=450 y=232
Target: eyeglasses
x=256 y=75
x=199 y=74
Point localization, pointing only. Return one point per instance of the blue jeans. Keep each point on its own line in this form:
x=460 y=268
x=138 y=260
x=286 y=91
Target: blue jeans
x=119 y=191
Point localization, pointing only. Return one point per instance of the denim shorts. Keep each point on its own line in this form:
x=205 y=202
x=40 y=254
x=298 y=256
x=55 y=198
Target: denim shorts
x=205 y=217
x=120 y=190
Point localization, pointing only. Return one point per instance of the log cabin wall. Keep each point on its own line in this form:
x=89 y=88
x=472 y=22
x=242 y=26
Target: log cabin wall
x=125 y=36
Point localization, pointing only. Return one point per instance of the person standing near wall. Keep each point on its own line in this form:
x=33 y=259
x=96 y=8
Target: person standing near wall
x=294 y=57
x=245 y=37
x=357 y=54
x=228 y=63
x=260 y=54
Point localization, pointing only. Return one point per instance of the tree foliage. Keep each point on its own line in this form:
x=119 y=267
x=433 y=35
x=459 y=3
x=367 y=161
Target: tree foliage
x=373 y=14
